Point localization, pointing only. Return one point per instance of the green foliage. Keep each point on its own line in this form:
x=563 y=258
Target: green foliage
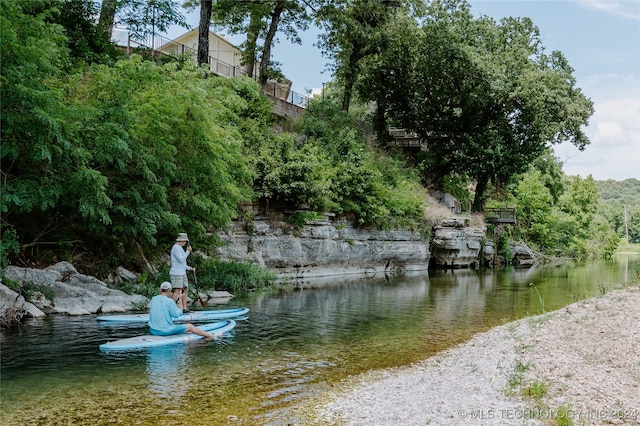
x=103 y=159
x=483 y=95
x=458 y=187
x=292 y=175
x=560 y=215
x=85 y=41
x=144 y=17
x=9 y=244
x=148 y=151
x=378 y=189
x=28 y=289
x=619 y=205
x=563 y=416
x=535 y=391
x=502 y=247
x=355 y=32
x=533 y=199
x=301 y=219
x=234 y=277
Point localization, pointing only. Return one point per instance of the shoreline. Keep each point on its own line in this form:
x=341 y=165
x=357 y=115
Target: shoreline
x=580 y=364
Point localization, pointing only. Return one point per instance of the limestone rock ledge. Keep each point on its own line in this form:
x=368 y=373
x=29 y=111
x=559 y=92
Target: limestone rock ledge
x=456 y=245
x=324 y=248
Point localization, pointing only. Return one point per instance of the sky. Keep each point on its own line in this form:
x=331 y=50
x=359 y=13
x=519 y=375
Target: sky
x=599 y=38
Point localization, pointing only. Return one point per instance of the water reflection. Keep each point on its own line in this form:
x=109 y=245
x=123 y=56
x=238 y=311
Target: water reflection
x=293 y=344
x=167 y=372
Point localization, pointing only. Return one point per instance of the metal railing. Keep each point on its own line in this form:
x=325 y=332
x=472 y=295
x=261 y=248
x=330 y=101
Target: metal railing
x=500 y=215
x=163 y=46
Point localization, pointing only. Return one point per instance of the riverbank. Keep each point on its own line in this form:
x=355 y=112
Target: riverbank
x=577 y=365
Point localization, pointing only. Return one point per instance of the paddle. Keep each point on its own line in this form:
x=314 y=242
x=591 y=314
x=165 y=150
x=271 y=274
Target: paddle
x=195 y=282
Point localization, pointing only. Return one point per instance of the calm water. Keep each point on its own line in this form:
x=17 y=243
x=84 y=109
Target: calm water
x=291 y=348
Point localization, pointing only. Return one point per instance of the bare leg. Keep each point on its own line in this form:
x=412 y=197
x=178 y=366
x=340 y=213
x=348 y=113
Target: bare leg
x=177 y=297
x=183 y=297
x=195 y=330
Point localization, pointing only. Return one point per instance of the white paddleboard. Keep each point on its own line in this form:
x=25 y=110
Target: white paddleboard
x=191 y=316
x=149 y=340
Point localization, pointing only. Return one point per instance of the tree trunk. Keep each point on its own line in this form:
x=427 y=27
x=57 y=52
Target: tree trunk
x=379 y=124
x=268 y=41
x=107 y=15
x=478 y=199
x=350 y=75
x=249 y=54
x=206 y=7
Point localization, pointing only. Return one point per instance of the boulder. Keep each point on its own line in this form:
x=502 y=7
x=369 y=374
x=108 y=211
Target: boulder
x=456 y=246
x=73 y=293
x=13 y=306
x=65 y=269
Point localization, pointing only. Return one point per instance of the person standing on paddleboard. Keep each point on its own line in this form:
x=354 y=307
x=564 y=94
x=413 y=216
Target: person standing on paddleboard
x=178 y=271
x=162 y=312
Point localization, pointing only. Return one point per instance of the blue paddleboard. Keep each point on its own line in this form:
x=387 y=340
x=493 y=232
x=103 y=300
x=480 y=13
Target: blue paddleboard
x=191 y=316
x=149 y=340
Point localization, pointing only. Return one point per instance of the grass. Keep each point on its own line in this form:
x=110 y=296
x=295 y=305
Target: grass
x=535 y=391
x=515 y=379
x=562 y=416
x=539 y=296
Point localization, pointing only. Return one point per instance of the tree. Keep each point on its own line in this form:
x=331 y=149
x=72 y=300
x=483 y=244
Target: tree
x=484 y=96
x=263 y=19
x=580 y=199
x=141 y=17
x=107 y=16
x=34 y=148
x=354 y=32
x=87 y=43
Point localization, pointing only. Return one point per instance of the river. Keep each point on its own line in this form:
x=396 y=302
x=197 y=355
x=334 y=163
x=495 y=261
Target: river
x=291 y=348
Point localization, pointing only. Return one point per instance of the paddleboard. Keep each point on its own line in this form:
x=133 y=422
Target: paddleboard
x=191 y=316
x=149 y=340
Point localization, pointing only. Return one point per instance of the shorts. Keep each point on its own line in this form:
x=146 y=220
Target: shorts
x=175 y=329
x=179 y=281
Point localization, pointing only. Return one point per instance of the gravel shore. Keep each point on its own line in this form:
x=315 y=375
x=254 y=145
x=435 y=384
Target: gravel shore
x=579 y=364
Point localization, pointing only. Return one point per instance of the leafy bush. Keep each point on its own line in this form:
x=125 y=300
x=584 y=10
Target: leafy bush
x=379 y=190
x=234 y=277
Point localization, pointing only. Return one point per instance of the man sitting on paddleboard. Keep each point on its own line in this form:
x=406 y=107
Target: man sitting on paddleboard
x=162 y=312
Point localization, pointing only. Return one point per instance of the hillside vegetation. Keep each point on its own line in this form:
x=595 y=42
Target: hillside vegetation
x=105 y=158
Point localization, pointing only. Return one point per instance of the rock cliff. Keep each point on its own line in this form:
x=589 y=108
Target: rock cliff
x=323 y=247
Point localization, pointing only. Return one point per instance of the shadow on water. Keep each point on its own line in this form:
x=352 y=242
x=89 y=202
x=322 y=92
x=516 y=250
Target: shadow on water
x=290 y=348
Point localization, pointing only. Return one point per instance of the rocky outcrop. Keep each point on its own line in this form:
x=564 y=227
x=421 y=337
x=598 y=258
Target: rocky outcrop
x=455 y=244
x=330 y=247
x=60 y=289
x=323 y=247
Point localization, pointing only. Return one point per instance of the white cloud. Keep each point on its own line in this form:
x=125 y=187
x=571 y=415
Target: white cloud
x=614 y=130
x=629 y=9
x=316 y=91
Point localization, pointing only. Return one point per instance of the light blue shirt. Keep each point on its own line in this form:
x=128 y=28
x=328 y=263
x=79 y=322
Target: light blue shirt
x=162 y=311
x=178 y=260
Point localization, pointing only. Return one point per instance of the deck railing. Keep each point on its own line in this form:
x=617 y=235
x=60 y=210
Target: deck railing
x=500 y=215
x=163 y=46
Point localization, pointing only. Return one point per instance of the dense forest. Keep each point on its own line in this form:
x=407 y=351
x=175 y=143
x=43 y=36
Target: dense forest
x=105 y=156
